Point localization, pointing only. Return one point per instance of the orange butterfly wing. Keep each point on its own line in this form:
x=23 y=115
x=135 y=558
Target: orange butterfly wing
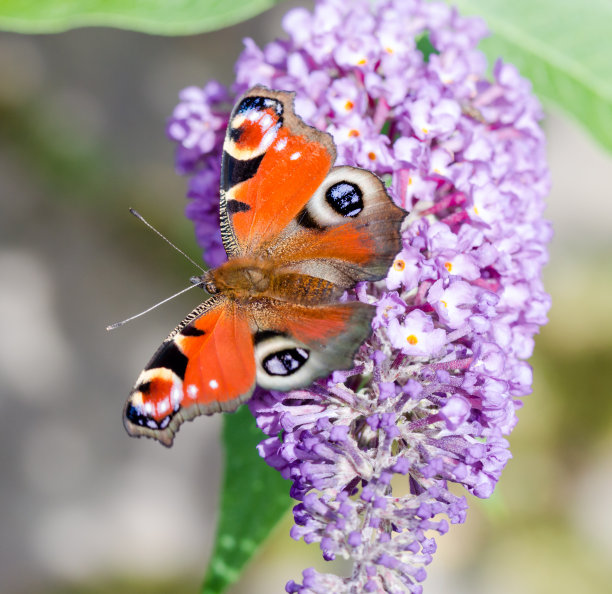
x=272 y=164
x=206 y=365
x=281 y=198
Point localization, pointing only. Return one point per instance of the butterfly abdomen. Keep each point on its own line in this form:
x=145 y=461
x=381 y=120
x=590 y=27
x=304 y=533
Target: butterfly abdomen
x=303 y=289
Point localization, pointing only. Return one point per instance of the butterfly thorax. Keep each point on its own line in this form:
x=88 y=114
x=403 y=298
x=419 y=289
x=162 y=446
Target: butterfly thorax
x=240 y=278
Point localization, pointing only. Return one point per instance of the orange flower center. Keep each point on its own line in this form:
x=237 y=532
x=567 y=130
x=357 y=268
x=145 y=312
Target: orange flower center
x=412 y=339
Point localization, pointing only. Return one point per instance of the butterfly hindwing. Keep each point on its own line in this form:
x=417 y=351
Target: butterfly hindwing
x=349 y=230
x=272 y=164
x=206 y=365
x=296 y=344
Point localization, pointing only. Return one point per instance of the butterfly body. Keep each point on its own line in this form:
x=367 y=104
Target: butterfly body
x=298 y=233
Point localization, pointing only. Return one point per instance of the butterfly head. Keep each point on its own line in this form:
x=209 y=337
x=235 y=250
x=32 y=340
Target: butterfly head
x=206 y=282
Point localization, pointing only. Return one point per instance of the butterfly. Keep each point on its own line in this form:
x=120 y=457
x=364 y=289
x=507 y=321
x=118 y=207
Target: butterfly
x=298 y=233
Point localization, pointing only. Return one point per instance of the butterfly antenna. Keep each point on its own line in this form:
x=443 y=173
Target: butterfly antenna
x=180 y=251
x=142 y=313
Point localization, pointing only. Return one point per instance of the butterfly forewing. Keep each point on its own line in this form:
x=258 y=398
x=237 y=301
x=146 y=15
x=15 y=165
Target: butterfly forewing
x=206 y=365
x=272 y=164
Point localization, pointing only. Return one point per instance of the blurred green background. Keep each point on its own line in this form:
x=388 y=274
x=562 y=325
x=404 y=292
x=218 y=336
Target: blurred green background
x=84 y=508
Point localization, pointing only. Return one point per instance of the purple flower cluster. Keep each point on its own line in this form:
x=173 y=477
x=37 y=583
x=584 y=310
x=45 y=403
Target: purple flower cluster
x=198 y=126
x=371 y=451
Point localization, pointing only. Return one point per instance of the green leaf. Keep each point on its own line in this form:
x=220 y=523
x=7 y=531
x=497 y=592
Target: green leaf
x=424 y=45
x=563 y=46
x=165 y=17
x=254 y=498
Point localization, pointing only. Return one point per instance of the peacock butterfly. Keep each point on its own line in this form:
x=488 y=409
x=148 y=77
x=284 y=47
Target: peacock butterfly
x=298 y=233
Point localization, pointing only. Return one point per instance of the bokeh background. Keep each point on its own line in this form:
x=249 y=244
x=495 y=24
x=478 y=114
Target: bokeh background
x=83 y=507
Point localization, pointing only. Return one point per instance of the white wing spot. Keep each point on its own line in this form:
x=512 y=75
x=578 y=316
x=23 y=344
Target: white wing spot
x=295 y=156
x=266 y=121
x=281 y=144
x=214 y=384
x=176 y=395
x=192 y=391
x=268 y=138
x=163 y=406
x=148 y=408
